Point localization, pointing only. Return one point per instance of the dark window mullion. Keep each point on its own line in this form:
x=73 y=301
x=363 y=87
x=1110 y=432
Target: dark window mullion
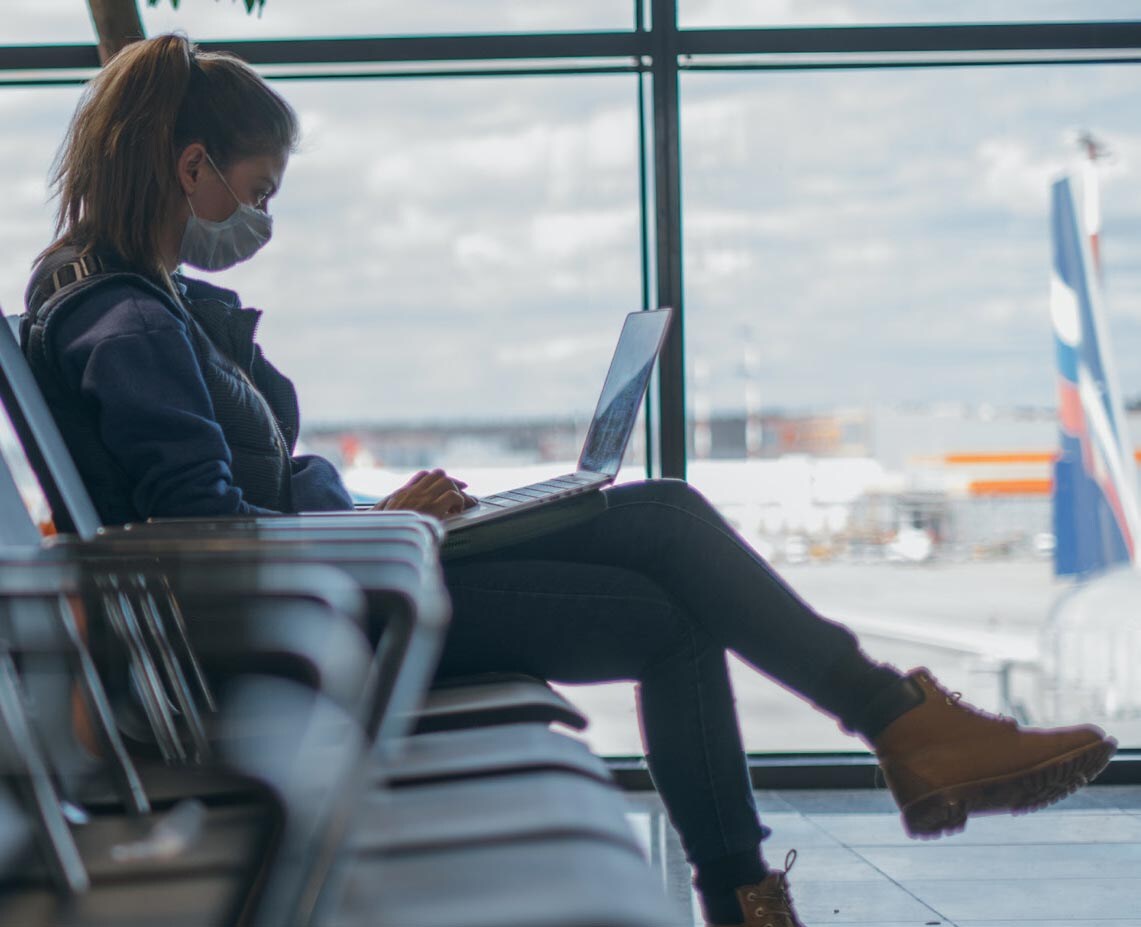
x=668 y=237
x=927 y=38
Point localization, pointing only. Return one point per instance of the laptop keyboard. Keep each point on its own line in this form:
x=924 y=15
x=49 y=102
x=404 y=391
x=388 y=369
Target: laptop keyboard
x=548 y=489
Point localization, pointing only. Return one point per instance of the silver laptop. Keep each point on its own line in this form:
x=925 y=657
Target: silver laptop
x=607 y=436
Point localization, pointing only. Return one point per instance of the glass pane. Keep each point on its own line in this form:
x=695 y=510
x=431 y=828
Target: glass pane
x=25 y=228
x=450 y=267
x=290 y=18
x=25 y=158
x=715 y=13
x=448 y=275
x=872 y=380
x=46 y=21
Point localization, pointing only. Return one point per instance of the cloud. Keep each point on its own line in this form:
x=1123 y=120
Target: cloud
x=568 y=234
x=551 y=351
x=38 y=21
x=481 y=251
x=440 y=245
x=1014 y=176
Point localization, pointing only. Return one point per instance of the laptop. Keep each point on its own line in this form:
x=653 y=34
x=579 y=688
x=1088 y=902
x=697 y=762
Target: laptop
x=602 y=450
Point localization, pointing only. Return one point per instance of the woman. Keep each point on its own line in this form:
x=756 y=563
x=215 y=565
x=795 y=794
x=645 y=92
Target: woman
x=170 y=409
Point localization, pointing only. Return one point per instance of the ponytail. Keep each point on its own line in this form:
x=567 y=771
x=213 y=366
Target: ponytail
x=116 y=173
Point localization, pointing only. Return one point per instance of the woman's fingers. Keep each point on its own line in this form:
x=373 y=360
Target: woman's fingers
x=449 y=502
x=437 y=481
x=432 y=492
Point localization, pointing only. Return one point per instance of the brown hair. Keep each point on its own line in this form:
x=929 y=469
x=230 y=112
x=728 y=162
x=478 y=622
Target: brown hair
x=115 y=174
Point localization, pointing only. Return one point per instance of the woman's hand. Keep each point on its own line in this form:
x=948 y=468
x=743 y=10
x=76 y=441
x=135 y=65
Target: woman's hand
x=430 y=492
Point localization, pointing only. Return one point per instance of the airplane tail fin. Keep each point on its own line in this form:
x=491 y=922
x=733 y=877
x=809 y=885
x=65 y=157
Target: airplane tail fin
x=1096 y=523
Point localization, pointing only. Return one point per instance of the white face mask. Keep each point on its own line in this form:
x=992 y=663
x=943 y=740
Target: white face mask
x=217 y=245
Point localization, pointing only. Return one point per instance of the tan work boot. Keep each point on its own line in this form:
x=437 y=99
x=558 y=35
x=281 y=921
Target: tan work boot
x=944 y=760
x=768 y=903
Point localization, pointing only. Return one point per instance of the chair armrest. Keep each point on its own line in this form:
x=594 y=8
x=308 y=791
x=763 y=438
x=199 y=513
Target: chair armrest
x=315 y=520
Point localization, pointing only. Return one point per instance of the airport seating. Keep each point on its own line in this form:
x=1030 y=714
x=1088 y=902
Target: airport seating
x=125 y=860
x=538 y=796
x=558 y=818
x=520 y=747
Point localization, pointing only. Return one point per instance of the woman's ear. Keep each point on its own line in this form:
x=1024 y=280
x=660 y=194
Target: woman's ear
x=190 y=165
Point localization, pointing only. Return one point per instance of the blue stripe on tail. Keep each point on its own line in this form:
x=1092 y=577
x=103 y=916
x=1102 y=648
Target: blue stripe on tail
x=1094 y=476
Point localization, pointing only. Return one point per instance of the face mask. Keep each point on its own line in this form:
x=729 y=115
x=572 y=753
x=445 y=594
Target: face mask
x=217 y=245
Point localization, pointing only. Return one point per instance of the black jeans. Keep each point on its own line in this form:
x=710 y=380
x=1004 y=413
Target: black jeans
x=654 y=589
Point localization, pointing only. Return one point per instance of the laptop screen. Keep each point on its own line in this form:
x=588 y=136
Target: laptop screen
x=623 y=390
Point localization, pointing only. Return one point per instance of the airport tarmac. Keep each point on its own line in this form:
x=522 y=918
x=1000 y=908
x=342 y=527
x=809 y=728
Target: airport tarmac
x=1003 y=605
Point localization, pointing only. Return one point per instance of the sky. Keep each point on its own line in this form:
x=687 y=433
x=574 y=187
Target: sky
x=467 y=248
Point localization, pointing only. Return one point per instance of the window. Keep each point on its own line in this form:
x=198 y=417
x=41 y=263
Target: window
x=42 y=115
x=872 y=382
x=866 y=267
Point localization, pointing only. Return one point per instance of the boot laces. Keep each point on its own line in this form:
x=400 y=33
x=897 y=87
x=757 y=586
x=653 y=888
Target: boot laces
x=956 y=698
x=779 y=899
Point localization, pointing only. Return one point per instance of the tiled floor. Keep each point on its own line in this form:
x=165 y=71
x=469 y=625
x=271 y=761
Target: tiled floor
x=1077 y=863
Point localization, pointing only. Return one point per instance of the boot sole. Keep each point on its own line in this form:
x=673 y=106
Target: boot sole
x=945 y=812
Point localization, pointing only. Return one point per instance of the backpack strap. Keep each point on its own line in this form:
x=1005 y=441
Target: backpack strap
x=66 y=274
x=52 y=289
